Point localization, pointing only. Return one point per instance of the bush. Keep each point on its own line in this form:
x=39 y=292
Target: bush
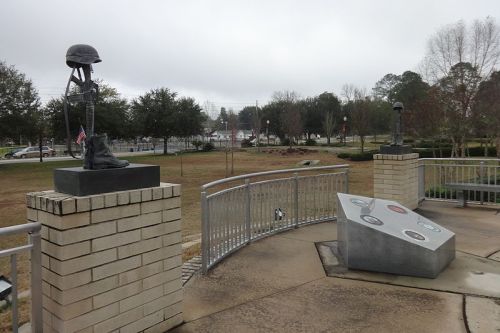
x=479 y=151
x=428 y=152
x=197 y=144
x=310 y=142
x=344 y=155
x=366 y=156
x=208 y=146
x=286 y=142
x=246 y=143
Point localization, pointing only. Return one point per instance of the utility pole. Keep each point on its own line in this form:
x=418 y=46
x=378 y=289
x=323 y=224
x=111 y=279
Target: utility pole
x=257 y=130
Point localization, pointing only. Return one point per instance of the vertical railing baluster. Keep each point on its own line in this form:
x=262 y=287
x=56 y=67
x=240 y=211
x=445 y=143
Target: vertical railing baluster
x=247 y=210
x=36 y=282
x=13 y=295
x=296 y=198
x=205 y=244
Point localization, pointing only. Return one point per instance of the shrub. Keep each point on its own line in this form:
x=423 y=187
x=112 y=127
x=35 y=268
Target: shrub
x=479 y=151
x=208 y=146
x=286 y=142
x=366 y=156
x=246 y=143
x=344 y=155
x=310 y=142
x=197 y=144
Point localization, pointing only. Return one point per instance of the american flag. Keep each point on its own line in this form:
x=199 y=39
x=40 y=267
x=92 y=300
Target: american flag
x=81 y=135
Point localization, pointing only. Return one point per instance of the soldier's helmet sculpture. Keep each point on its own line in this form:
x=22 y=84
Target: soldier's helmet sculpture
x=80 y=57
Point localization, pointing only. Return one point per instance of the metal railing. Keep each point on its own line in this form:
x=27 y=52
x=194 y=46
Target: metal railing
x=34 y=247
x=435 y=173
x=236 y=216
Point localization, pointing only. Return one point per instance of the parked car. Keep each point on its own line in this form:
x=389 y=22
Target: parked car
x=11 y=153
x=34 y=152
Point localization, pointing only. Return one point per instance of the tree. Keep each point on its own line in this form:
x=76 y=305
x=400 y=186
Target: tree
x=459 y=58
x=286 y=103
x=380 y=117
x=112 y=115
x=329 y=125
x=486 y=111
x=412 y=91
x=222 y=118
x=245 y=117
x=360 y=115
x=329 y=107
x=458 y=89
x=384 y=88
x=19 y=105
x=154 y=113
x=189 y=118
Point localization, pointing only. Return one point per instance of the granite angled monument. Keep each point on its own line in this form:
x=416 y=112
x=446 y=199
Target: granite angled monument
x=383 y=236
x=102 y=171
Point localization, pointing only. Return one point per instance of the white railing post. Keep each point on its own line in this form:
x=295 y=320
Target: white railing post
x=36 y=282
x=346 y=180
x=13 y=294
x=421 y=181
x=296 y=198
x=205 y=239
x=248 y=222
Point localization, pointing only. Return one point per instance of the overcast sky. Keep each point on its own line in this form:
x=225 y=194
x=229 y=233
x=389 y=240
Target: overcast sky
x=228 y=52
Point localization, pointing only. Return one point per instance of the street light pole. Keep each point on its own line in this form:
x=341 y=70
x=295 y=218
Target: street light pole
x=345 y=130
x=267 y=132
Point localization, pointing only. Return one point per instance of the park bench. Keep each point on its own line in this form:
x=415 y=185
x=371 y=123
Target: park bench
x=462 y=187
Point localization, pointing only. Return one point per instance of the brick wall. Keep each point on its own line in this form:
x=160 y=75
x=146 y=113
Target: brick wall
x=111 y=262
x=395 y=178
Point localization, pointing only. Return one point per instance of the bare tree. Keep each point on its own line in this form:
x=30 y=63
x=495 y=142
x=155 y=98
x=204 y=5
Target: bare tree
x=290 y=113
x=257 y=124
x=329 y=125
x=348 y=92
x=459 y=58
x=360 y=114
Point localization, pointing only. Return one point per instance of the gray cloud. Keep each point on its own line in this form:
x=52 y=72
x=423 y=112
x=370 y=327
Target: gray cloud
x=229 y=52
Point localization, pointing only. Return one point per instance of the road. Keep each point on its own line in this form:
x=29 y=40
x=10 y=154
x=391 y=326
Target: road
x=67 y=158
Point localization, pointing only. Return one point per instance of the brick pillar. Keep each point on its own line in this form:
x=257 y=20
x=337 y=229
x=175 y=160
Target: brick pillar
x=110 y=261
x=395 y=178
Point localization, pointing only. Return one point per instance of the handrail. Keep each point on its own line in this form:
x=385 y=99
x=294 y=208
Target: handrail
x=34 y=247
x=459 y=159
x=268 y=173
x=20 y=228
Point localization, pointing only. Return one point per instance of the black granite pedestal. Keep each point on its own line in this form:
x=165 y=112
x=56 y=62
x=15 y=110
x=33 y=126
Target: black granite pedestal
x=395 y=149
x=81 y=182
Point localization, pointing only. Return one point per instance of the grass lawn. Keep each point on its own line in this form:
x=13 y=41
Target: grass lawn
x=198 y=168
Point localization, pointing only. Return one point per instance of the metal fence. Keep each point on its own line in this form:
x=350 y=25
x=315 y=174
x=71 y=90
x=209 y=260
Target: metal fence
x=34 y=247
x=233 y=217
x=435 y=173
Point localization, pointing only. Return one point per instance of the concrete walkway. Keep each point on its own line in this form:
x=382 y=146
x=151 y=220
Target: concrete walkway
x=279 y=284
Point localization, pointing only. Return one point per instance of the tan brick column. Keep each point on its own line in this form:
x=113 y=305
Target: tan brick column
x=111 y=262
x=395 y=177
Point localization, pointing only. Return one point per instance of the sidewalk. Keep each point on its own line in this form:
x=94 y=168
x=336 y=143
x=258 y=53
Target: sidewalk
x=279 y=284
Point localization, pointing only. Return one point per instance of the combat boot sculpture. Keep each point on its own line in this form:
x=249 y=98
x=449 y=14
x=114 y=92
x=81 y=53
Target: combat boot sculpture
x=99 y=156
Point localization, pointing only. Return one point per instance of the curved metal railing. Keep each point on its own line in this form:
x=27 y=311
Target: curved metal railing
x=233 y=217
x=436 y=173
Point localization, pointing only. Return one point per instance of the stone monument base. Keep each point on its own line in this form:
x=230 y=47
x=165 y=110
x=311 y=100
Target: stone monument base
x=395 y=149
x=81 y=182
x=110 y=262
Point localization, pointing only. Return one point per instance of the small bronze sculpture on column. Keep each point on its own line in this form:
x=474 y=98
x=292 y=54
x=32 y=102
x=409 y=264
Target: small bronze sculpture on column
x=79 y=58
x=396 y=147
